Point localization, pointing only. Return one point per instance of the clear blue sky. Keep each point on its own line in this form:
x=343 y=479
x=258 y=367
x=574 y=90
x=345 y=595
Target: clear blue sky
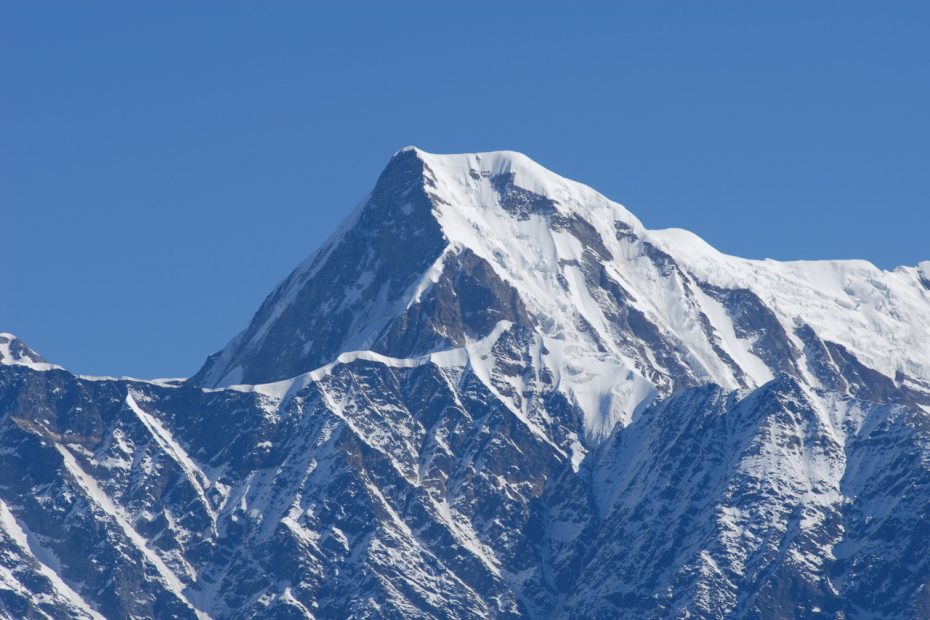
x=164 y=164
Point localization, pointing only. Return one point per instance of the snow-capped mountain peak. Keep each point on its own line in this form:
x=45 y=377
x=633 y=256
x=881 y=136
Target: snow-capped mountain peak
x=493 y=393
x=656 y=311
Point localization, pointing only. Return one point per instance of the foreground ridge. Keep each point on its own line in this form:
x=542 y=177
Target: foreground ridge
x=494 y=393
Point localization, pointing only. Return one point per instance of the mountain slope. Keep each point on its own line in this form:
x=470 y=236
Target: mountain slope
x=440 y=234
x=493 y=393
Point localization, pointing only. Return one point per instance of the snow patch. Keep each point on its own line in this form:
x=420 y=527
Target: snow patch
x=48 y=564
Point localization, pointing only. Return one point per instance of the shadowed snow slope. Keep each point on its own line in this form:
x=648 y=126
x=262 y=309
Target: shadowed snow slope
x=494 y=394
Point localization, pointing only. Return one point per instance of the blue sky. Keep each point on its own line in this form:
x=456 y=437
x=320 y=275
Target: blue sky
x=164 y=165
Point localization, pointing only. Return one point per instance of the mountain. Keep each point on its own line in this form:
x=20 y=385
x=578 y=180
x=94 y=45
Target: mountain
x=493 y=393
x=15 y=352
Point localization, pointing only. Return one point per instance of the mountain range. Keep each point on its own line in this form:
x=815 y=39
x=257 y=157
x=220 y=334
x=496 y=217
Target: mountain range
x=493 y=393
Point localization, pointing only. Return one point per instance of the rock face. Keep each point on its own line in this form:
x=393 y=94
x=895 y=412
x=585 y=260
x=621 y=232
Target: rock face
x=494 y=394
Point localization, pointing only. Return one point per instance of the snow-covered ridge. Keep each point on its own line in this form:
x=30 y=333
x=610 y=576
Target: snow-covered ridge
x=660 y=307
x=626 y=310
x=14 y=352
x=461 y=182
x=494 y=393
x=877 y=315
x=603 y=390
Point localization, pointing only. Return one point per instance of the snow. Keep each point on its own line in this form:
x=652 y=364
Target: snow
x=924 y=268
x=25 y=358
x=738 y=348
x=453 y=172
x=162 y=436
x=789 y=451
x=875 y=314
x=93 y=491
x=606 y=392
x=288 y=597
x=431 y=276
x=48 y=564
